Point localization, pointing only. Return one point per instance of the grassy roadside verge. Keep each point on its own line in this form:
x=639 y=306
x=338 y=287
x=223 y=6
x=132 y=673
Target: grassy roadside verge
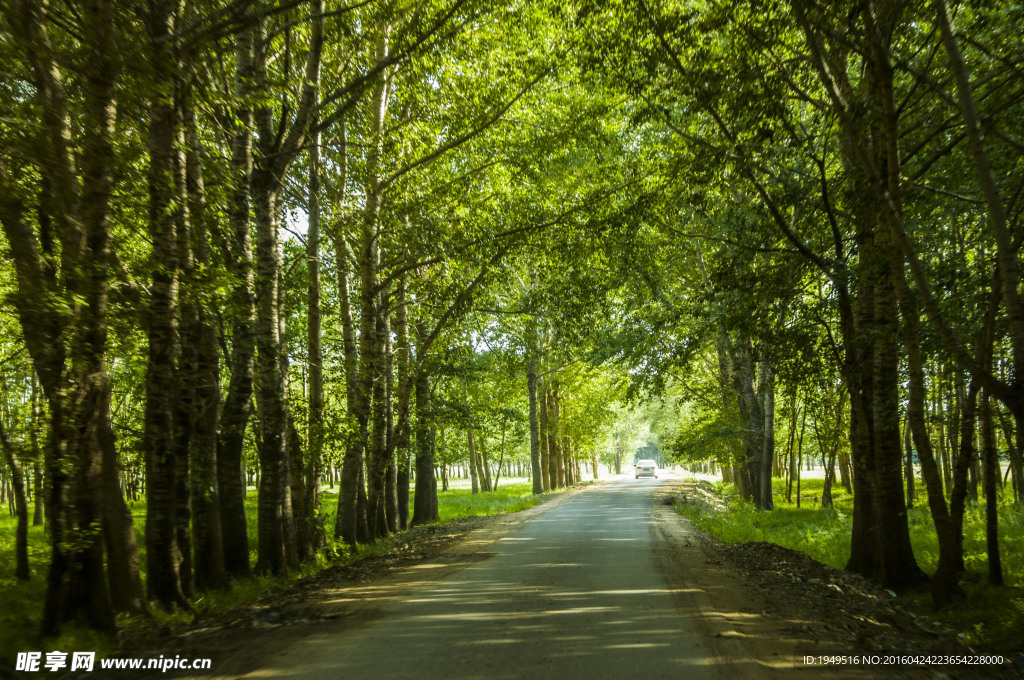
x=990 y=618
x=21 y=606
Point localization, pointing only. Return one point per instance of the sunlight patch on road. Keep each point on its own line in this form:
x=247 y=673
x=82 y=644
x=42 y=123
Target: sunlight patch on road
x=494 y=641
x=490 y=616
x=548 y=565
x=638 y=591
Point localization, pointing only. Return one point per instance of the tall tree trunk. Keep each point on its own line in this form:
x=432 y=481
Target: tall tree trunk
x=800 y=454
x=535 y=457
x=270 y=406
x=403 y=355
x=311 y=519
x=555 y=438
x=279 y=145
x=347 y=522
x=944 y=582
x=208 y=538
x=965 y=452
x=766 y=397
x=21 y=567
x=845 y=472
x=728 y=381
x=990 y=470
x=183 y=408
x=545 y=438
x=425 y=500
x=908 y=464
x=377 y=461
x=501 y=456
x=474 y=470
x=866 y=108
x=164 y=553
x=125 y=581
x=1016 y=458
x=390 y=450
x=752 y=417
x=894 y=564
x=368 y=255
x=300 y=544
x=37 y=488
x=237 y=407
x=790 y=451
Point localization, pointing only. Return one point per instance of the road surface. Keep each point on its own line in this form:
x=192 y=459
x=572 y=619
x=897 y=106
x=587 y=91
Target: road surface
x=575 y=592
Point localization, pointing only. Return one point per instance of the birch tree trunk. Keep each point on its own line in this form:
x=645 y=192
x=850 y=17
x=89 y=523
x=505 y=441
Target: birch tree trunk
x=314 y=359
x=752 y=417
x=279 y=146
x=237 y=407
x=183 y=413
x=369 y=354
x=555 y=438
x=474 y=470
x=403 y=353
x=425 y=499
x=535 y=457
x=164 y=553
x=210 y=571
x=273 y=454
x=766 y=397
x=21 y=567
x=545 y=439
x=990 y=472
x=389 y=450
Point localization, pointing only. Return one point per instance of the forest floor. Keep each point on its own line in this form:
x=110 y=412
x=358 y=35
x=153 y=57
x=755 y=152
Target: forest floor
x=760 y=608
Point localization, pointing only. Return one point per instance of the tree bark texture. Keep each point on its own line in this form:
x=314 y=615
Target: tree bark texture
x=990 y=473
x=425 y=499
x=21 y=567
x=208 y=541
x=164 y=554
x=535 y=458
x=403 y=359
x=237 y=405
x=311 y=518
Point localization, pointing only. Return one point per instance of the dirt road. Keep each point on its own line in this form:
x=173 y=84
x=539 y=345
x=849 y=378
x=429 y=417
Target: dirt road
x=576 y=588
x=575 y=592
x=605 y=582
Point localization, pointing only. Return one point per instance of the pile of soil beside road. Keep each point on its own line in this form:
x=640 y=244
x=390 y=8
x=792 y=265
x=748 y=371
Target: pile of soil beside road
x=829 y=610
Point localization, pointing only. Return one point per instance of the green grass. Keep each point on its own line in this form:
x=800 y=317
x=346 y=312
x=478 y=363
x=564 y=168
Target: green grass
x=990 y=617
x=820 y=533
x=21 y=602
x=508 y=497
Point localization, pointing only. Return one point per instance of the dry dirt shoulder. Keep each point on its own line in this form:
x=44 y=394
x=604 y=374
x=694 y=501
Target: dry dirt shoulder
x=767 y=608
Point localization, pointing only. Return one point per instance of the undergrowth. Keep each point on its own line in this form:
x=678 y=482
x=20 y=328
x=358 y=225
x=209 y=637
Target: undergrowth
x=989 y=617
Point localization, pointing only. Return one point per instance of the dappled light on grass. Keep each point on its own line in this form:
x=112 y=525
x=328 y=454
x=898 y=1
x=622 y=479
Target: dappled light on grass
x=508 y=497
x=821 y=533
